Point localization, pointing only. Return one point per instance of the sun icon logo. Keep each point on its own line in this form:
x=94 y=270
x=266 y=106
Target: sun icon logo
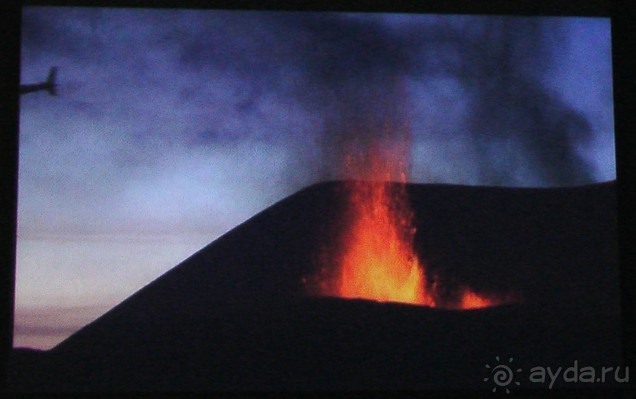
x=502 y=375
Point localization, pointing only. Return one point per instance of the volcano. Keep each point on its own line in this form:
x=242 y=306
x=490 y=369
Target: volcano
x=237 y=315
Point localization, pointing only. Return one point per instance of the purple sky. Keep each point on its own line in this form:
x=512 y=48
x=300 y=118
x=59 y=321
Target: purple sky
x=171 y=127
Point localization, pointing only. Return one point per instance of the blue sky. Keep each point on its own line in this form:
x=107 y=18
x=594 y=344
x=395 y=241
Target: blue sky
x=171 y=127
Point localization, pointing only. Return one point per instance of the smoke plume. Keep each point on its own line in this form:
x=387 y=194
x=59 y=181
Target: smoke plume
x=355 y=69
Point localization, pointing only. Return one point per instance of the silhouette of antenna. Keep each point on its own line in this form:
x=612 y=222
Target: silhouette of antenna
x=50 y=84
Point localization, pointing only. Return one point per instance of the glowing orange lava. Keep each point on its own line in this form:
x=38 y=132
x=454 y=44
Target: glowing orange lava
x=378 y=261
x=470 y=300
x=376 y=258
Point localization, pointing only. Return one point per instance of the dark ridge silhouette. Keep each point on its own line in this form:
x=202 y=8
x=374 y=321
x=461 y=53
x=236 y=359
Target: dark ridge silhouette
x=235 y=315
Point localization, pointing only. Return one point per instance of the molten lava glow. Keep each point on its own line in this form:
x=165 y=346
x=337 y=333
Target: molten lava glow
x=376 y=258
x=378 y=261
x=470 y=300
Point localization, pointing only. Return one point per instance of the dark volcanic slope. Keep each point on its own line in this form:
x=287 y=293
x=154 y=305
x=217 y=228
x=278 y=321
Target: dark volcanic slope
x=554 y=246
x=234 y=315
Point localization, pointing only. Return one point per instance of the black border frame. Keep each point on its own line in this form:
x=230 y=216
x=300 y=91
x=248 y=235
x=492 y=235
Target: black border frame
x=624 y=82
